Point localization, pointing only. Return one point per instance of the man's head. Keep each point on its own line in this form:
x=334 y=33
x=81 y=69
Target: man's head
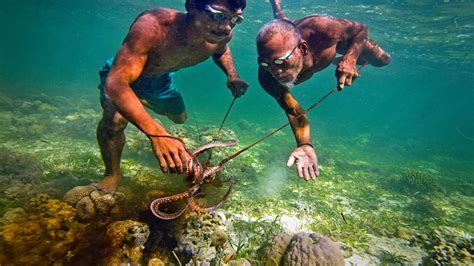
x=281 y=50
x=216 y=18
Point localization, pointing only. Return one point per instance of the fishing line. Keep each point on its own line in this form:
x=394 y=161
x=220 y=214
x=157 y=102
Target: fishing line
x=220 y=128
x=230 y=157
x=462 y=134
x=225 y=116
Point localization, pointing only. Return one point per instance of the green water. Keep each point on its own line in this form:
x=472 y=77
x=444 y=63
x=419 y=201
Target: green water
x=416 y=113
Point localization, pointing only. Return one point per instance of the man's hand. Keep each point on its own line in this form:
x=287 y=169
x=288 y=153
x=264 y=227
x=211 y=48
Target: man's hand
x=171 y=154
x=237 y=86
x=306 y=162
x=346 y=72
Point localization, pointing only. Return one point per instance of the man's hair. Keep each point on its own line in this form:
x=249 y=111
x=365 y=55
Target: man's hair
x=277 y=26
x=199 y=4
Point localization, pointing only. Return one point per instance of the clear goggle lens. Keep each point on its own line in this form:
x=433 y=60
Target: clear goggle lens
x=276 y=62
x=218 y=15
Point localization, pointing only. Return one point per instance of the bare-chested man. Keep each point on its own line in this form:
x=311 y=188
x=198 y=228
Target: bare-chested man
x=159 y=42
x=289 y=53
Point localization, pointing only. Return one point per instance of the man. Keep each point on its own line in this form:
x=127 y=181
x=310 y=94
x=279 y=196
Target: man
x=289 y=53
x=160 y=42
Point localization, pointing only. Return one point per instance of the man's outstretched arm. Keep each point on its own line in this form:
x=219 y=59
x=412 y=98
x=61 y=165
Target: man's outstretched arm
x=224 y=60
x=303 y=155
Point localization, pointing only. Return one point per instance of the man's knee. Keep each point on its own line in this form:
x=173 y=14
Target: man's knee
x=112 y=126
x=385 y=59
x=179 y=118
x=376 y=55
x=112 y=121
x=382 y=60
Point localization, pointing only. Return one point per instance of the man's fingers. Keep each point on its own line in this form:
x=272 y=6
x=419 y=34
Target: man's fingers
x=300 y=170
x=162 y=161
x=185 y=159
x=170 y=162
x=341 y=81
x=348 y=81
x=316 y=169
x=178 y=163
x=306 y=173
x=311 y=172
x=291 y=161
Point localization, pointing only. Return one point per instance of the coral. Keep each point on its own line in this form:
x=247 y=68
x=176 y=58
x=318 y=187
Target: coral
x=202 y=238
x=126 y=241
x=301 y=249
x=44 y=232
x=447 y=246
x=90 y=202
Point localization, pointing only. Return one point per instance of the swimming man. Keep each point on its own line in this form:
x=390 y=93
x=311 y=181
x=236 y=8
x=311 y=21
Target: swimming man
x=160 y=42
x=290 y=52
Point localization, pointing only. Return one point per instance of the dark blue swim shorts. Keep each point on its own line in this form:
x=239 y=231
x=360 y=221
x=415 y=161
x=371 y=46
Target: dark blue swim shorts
x=158 y=91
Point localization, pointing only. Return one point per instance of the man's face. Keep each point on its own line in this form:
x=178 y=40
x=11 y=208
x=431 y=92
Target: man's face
x=217 y=20
x=282 y=58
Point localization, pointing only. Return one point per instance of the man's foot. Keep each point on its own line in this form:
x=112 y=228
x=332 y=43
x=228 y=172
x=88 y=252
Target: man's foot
x=108 y=184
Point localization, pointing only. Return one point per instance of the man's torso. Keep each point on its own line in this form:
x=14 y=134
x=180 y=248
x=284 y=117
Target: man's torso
x=175 y=51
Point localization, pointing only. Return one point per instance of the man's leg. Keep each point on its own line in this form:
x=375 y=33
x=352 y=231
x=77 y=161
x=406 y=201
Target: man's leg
x=111 y=139
x=177 y=118
x=374 y=55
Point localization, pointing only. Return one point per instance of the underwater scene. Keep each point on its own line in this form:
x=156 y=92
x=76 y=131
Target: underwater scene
x=395 y=149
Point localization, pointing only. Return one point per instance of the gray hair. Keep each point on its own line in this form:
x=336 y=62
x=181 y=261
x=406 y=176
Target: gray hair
x=275 y=27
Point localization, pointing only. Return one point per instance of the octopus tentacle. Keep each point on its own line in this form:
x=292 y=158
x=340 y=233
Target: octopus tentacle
x=211 y=146
x=195 y=206
x=155 y=206
x=199 y=176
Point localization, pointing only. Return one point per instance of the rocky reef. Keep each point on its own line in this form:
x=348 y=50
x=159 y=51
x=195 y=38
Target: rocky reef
x=126 y=242
x=446 y=246
x=91 y=202
x=202 y=239
x=43 y=232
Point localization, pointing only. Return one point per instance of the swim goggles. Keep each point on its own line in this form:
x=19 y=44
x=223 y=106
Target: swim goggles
x=219 y=16
x=279 y=60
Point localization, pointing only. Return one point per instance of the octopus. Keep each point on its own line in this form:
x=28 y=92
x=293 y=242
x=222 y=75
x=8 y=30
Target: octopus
x=198 y=175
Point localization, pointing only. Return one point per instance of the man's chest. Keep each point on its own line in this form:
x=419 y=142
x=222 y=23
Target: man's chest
x=172 y=58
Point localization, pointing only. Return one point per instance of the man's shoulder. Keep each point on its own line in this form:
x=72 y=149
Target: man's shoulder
x=160 y=15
